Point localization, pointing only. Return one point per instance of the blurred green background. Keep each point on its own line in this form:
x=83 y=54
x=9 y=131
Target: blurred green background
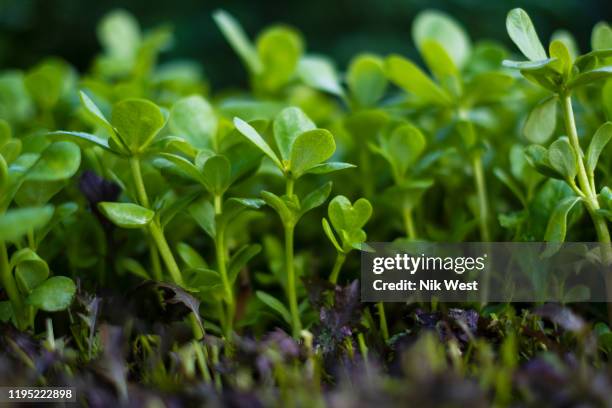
x=32 y=29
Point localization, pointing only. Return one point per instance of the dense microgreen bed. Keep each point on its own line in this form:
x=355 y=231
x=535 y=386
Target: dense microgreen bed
x=161 y=243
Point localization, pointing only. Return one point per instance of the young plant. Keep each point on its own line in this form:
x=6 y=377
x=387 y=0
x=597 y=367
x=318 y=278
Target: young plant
x=302 y=149
x=561 y=75
x=453 y=93
x=215 y=173
x=402 y=146
x=133 y=127
x=30 y=180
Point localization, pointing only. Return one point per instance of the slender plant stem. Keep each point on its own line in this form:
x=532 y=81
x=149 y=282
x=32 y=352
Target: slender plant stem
x=340 y=258
x=291 y=289
x=382 y=320
x=409 y=223
x=11 y=287
x=587 y=185
x=227 y=286
x=155 y=264
x=157 y=233
x=483 y=205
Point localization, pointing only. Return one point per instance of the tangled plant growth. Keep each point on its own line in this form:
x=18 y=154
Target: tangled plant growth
x=141 y=260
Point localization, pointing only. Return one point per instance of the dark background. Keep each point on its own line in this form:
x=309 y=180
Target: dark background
x=32 y=29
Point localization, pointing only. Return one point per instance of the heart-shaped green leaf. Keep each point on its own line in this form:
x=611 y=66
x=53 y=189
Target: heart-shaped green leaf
x=521 y=30
x=137 y=121
x=30 y=269
x=600 y=139
x=194 y=119
x=126 y=215
x=562 y=158
x=59 y=161
x=288 y=125
x=15 y=223
x=310 y=149
x=53 y=295
x=440 y=27
x=542 y=121
x=346 y=216
x=366 y=79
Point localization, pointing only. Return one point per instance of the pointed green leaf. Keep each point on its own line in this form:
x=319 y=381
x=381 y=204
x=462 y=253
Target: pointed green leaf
x=542 y=121
x=288 y=125
x=319 y=73
x=15 y=223
x=521 y=30
x=250 y=133
x=194 y=119
x=412 y=79
x=562 y=158
x=330 y=234
x=203 y=213
x=366 y=79
x=137 y=121
x=557 y=224
x=95 y=113
x=190 y=256
x=329 y=167
x=593 y=75
x=240 y=259
x=126 y=215
x=275 y=305
x=442 y=28
x=234 y=34
x=59 y=161
x=529 y=65
x=87 y=137
x=315 y=198
x=598 y=143
x=310 y=149
x=279 y=205
x=185 y=167
x=53 y=295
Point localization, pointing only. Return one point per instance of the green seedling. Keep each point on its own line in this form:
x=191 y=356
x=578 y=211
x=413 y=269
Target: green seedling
x=27 y=182
x=302 y=149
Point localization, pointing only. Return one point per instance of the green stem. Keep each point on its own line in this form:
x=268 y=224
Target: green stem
x=483 y=205
x=141 y=192
x=11 y=287
x=155 y=264
x=340 y=258
x=291 y=289
x=157 y=233
x=290 y=184
x=383 y=321
x=227 y=286
x=409 y=223
x=587 y=185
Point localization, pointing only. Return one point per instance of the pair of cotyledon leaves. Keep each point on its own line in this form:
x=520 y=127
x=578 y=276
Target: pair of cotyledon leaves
x=347 y=220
